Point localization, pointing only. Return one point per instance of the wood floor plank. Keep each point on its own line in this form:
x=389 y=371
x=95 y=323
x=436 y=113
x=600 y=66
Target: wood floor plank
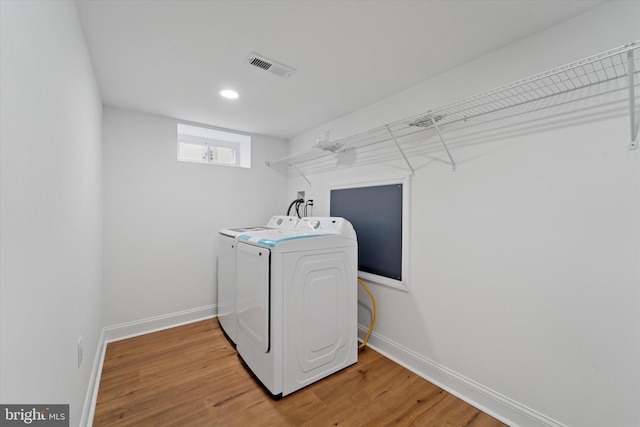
x=191 y=376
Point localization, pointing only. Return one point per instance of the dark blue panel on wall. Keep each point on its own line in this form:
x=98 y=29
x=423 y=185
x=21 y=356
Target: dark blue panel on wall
x=376 y=215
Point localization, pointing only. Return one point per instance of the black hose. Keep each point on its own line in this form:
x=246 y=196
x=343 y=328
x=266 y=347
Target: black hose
x=298 y=201
x=298 y=204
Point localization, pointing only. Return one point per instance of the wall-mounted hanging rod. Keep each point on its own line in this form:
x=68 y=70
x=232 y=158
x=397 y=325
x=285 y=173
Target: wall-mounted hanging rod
x=401 y=151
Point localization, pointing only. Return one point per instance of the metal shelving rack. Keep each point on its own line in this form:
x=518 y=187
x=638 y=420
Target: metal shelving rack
x=611 y=71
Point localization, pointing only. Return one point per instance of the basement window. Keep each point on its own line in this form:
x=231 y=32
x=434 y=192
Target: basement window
x=198 y=144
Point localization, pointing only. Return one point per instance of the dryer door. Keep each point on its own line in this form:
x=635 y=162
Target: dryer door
x=253 y=290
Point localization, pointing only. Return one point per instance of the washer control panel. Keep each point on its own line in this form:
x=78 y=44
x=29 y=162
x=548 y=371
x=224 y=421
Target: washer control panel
x=283 y=221
x=321 y=225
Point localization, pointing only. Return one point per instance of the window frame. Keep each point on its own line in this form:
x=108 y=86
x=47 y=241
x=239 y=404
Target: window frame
x=210 y=138
x=210 y=143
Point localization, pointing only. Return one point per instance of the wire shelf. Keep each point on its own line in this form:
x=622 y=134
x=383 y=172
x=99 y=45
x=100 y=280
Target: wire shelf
x=608 y=72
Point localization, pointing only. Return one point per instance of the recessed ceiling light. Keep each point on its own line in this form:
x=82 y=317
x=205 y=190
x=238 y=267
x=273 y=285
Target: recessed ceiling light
x=228 y=93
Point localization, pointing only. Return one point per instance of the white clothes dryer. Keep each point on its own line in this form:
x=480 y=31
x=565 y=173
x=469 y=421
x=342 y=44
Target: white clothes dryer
x=297 y=302
x=227 y=268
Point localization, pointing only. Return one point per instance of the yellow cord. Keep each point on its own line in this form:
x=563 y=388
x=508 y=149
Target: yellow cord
x=373 y=322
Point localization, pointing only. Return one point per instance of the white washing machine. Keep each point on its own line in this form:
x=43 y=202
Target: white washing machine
x=297 y=302
x=227 y=269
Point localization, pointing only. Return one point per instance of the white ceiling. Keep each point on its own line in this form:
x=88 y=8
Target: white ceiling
x=172 y=57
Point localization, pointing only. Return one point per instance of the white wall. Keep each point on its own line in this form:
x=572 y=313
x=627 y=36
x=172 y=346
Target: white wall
x=50 y=205
x=162 y=216
x=525 y=263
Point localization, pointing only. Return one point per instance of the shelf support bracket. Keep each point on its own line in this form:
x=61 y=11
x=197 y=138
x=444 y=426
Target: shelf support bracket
x=401 y=151
x=444 y=144
x=300 y=172
x=633 y=145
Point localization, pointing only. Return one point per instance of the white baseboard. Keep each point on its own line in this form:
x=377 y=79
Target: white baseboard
x=158 y=323
x=491 y=402
x=128 y=330
x=94 y=384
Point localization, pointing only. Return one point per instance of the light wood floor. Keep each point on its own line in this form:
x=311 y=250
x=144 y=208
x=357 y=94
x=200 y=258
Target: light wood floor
x=191 y=376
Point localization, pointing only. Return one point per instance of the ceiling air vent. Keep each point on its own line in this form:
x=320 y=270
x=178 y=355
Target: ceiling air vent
x=267 y=64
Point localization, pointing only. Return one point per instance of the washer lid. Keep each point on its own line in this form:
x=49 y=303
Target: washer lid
x=235 y=231
x=271 y=238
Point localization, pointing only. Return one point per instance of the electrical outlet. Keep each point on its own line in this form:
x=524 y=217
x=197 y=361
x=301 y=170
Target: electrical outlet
x=300 y=195
x=79 y=351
